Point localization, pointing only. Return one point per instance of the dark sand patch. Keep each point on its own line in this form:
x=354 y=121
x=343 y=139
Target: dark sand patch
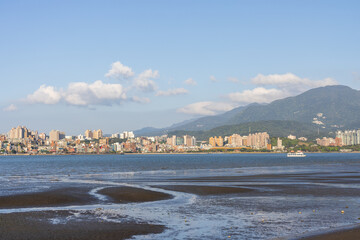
x=57 y=197
x=305 y=189
x=351 y=233
x=205 y=190
x=38 y=226
x=131 y=194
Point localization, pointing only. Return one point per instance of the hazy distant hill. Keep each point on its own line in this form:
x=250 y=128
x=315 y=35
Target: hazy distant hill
x=321 y=107
x=209 y=122
x=339 y=105
x=278 y=128
x=331 y=105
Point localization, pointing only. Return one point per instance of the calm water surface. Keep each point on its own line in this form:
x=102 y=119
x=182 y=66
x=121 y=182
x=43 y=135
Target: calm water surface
x=319 y=186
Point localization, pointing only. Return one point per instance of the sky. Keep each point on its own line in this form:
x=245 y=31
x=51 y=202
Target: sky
x=125 y=65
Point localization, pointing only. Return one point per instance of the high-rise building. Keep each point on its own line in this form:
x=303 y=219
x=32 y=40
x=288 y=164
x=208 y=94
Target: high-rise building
x=189 y=141
x=88 y=134
x=349 y=137
x=216 y=141
x=97 y=134
x=21 y=133
x=54 y=135
x=279 y=143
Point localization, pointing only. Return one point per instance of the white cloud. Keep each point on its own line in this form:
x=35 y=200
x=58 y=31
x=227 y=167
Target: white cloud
x=97 y=93
x=144 y=82
x=283 y=85
x=118 y=70
x=140 y=99
x=80 y=94
x=172 y=92
x=233 y=79
x=45 y=94
x=259 y=95
x=290 y=82
x=10 y=108
x=213 y=78
x=190 y=81
x=206 y=108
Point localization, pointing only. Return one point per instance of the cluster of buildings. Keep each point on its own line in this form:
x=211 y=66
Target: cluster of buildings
x=256 y=141
x=186 y=141
x=23 y=140
x=343 y=138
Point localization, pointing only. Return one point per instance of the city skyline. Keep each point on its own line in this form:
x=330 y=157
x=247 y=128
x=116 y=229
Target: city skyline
x=160 y=63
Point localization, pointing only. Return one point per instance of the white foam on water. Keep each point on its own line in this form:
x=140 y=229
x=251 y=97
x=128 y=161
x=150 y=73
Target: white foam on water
x=94 y=193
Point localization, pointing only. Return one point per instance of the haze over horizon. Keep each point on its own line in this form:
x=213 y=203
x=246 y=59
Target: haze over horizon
x=125 y=65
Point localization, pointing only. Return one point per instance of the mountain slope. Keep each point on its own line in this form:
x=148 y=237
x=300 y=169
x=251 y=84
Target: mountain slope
x=324 y=108
x=339 y=105
x=275 y=128
x=209 y=122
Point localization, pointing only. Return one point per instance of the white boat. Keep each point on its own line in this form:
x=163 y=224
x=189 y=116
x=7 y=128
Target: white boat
x=297 y=154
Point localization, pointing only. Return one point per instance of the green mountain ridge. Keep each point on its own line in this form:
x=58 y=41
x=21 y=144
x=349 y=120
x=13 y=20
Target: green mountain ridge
x=275 y=128
x=326 y=108
x=339 y=105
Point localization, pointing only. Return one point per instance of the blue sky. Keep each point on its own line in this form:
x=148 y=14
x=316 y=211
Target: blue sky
x=154 y=63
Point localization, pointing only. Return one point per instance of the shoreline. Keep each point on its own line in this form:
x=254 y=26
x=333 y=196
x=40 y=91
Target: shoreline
x=169 y=153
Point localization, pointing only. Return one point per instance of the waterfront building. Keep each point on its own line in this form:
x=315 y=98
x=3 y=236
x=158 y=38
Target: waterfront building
x=326 y=142
x=179 y=141
x=258 y=140
x=291 y=137
x=127 y=134
x=88 y=134
x=115 y=135
x=189 y=141
x=349 y=137
x=56 y=135
x=104 y=141
x=97 y=134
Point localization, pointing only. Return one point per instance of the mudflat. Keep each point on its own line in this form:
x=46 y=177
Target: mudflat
x=131 y=194
x=60 y=225
x=55 y=197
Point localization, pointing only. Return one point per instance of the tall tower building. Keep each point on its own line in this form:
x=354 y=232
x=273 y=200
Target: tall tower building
x=54 y=135
x=88 y=134
x=97 y=134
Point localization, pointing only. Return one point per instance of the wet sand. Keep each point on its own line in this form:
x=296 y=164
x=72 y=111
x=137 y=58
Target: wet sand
x=40 y=226
x=79 y=196
x=130 y=194
x=205 y=190
x=56 y=197
x=346 y=233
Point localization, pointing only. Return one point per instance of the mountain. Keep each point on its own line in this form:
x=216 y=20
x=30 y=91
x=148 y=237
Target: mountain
x=325 y=107
x=330 y=108
x=278 y=128
x=209 y=122
x=199 y=124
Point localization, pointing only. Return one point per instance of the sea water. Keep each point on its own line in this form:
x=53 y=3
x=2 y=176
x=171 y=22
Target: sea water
x=292 y=195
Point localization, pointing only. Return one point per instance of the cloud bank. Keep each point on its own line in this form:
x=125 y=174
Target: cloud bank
x=172 y=92
x=10 y=108
x=80 y=94
x=206 y=108
x=118 y=70
x=190 y=81
x=144 y=83
x=267 y=89
x=276 y=86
